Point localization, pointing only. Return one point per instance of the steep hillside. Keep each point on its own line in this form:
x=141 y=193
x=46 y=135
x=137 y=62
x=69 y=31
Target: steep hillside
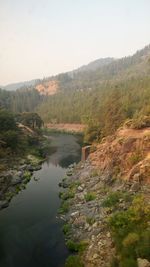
x=107 y=203
x=125 y=155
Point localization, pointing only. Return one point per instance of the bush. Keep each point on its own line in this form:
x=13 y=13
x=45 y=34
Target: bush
x=66 y=195
x=90 y=196
x=128 y=262
x=75 y=246
x=64 y=208
x=74 y=261
x=90 y=220
x=112 y=199
x=143 y=249
x=135 y=157
x=131 y=233
x=66 y=228
x=131 y=240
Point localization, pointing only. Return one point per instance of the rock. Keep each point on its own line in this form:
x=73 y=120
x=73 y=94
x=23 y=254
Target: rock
x=75 y=214
x=95 y=256
x=80 y=188
x=19 y=173
x=108 y=235
x=16 y=180
x=135 y=186
x=23 y=167
x=4 y=204
x=30 y=168
x=80 y=196
x=37 y=168
x=136 y=177
x=143 y=262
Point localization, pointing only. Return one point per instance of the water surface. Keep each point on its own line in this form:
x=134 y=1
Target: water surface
x=30 y=233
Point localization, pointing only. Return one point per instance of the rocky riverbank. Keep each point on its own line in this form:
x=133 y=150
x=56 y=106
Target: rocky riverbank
x=16 y=176
x=94 y=201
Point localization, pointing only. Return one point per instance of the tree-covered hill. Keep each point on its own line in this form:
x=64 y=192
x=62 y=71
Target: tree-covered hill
x=102 y=94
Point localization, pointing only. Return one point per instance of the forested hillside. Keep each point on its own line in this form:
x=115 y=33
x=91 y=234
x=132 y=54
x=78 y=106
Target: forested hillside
x=20 y=100
x=104 y=98
x=102 y=94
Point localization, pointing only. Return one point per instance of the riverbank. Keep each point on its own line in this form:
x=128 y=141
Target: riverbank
x=74 y=128
x=17 y=169
x=105 y=194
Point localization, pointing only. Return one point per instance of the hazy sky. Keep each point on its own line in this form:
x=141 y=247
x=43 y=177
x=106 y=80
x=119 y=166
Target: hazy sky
x=43 y=37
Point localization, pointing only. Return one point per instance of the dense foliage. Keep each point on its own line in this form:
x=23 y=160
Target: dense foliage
x=13 y=139
x=8 y=130
x=131 y=233
x=103 y=109
x=20 y=100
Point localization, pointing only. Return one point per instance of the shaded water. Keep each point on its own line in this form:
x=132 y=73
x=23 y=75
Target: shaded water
x=30 y=234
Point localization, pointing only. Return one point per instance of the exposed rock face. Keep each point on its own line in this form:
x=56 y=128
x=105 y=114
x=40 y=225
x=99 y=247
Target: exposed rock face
x=125 y=155
x=48 y=87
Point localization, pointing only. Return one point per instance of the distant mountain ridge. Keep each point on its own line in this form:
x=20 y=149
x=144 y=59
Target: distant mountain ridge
x=92 y=74
x=15 y=86
x=92 y=66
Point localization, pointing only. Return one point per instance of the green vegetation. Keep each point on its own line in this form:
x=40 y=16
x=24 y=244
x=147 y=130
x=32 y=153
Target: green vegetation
x=76 y=246
x=21 y=100
x=90 y=220
x=113 y=199
x=66 y=195
x=131 y=233
x=64 y=208
x=135 y=157
x=74 y=261
x=9 y=133
x=66 y=228
x=90 y=196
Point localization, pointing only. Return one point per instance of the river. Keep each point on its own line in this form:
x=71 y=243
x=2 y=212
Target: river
x=30 y=233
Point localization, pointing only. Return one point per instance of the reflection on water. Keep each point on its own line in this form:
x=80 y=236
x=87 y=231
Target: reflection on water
x=30 y=234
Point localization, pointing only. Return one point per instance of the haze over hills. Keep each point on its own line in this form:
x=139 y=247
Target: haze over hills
x=83 y=95
x=92 y=74
x=92 y=66
x=15 y=86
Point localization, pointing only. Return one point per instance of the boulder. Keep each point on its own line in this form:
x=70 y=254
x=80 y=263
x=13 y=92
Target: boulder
x=143 y=262
x=3 y=204
x=16 y=180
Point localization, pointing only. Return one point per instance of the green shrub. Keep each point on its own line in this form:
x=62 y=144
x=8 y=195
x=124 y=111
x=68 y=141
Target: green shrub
x=131 y=233
x=135 y=157
x=66 y=228
x=112 y=199
x=128 y=262
x=75 y=246
x=66 y=195
x=90 y=196
x=90 y=220
x=143 y=248
x=131 y=239
x=74 y=261
x=94 y=173
x=64 y=208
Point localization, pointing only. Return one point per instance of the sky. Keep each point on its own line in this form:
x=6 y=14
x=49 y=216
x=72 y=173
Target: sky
x=40 y=38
